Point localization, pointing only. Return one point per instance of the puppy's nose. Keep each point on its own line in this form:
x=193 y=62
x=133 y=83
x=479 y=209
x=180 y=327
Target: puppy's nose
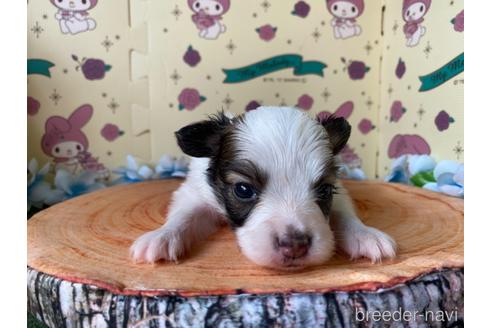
x=294 y=244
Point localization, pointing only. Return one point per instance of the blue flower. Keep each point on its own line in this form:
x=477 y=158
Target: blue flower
x=168 y=167
x=450 y=179
x=406 y=168
x=37 y=188
x=133 y=172
x=347 y=172
x=68 y=186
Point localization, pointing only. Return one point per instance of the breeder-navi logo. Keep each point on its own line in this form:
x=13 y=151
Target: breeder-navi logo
x=408 y=316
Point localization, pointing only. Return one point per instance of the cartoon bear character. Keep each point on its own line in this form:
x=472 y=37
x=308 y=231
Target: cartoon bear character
x=345 y=12
x=208 y=14
x=73 y=16
x=413 y=14
x=65 y=141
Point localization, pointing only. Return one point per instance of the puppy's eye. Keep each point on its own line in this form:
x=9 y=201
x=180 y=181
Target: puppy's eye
x=325 y=191
x=335 y=8
x=353 y=9
x=197 y=4
x=408 y=12
x=217 y=7
x=244 y=191
x=57 y=150
x=78 y=147
x=421 y=8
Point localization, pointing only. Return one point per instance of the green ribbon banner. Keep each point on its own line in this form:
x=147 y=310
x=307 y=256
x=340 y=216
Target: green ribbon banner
x=443 y=74
x=39 y=66
x=274 y=64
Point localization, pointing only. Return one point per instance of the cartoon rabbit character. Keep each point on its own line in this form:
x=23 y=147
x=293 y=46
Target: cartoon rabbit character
x=67 y=144
x=345 y=12
x=208 y=14
x=73 y=17
x=413 y=15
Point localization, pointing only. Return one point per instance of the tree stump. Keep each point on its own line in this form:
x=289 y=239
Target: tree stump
x=80 y=274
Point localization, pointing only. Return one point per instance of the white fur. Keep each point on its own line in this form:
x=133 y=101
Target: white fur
x=292 y=149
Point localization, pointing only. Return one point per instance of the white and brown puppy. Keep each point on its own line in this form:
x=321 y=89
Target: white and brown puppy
x=271 y=174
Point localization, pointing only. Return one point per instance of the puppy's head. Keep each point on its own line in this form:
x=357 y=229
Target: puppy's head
x=273 y=170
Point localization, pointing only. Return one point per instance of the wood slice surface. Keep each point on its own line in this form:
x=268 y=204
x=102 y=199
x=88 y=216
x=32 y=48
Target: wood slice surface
x=86 y=240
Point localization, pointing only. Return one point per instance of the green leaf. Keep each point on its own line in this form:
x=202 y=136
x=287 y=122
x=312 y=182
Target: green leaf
x=181 y=107
x=107 y=68
x=202 y=98
x=368 y=69
x=422 y=178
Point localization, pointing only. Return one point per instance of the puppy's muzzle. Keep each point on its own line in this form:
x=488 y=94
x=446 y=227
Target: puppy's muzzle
x=294 y=244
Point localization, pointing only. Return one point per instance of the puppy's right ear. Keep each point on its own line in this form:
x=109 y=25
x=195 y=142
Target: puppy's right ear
x=203 y=139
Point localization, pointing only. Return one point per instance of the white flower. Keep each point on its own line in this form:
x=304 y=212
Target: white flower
x=68 y=186
x=133 y=172
x=37 y=188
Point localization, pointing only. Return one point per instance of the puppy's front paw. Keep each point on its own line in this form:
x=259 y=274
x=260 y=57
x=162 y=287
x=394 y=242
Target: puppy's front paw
x=368 y=242
x=156 y=245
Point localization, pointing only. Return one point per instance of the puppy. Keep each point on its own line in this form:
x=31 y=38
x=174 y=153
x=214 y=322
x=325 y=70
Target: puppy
x=271 y=174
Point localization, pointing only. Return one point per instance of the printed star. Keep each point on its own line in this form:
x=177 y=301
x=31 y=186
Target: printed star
x=227 y=101
x=316 y=35
x=107 y=43
x=369 y=103
x=458 y=150
x=277 y=95
x=175 y=77
x=164 y=30
x=390 y=90
x=395 y=27
x=109 y=153
x=421 y=112
x=209 y=77
x=65 y=71
x=326 y=94
x=368 y=47
x=451 y=3
x=231 y=46
x=104 y=94
x=266 y=5
x=116 y=37
x=37 y=29
x=45 y=16
x=323 y=23
x=255 y=15
x=427 y=49
x=176 y=12
x=55 y=97
x=289 y=41
x=113 y=105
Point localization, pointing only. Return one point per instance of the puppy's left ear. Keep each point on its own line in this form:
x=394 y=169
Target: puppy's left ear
x=338 y=129
x=203 y=139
